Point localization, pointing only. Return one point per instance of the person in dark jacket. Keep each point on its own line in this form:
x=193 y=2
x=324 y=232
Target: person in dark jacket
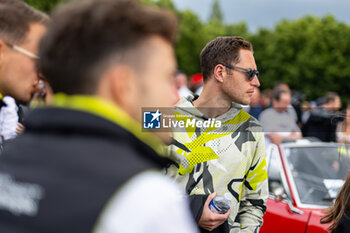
x=322 y=122
x=84 y=164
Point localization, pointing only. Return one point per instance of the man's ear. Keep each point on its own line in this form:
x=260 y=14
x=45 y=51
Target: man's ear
x=118 y=85
x=121 y=84
x=219 y=71
x=2 y=52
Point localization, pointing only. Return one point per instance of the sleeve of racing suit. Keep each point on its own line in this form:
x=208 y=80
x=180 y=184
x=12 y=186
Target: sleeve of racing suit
x=255 y=191
x=196 y=205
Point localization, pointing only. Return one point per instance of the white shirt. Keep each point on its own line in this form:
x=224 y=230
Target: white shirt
x=8 y=118
x=199 y=90
x=184 y=91
x=150 y=202
x=282 y=123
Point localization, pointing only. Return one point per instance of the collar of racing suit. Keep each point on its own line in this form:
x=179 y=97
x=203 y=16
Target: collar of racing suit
x=111 y=112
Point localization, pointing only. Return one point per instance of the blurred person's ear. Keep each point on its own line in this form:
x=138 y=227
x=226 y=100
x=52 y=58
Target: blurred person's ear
x=119 y=85
x=2 y=52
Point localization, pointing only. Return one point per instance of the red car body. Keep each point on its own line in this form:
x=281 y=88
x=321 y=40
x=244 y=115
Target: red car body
x=278 y=216
x=289 y=212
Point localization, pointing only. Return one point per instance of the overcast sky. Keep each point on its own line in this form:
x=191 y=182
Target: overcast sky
x=266 y=13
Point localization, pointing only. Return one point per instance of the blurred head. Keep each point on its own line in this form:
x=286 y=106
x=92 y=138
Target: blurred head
x=180 y=80
x=118 y=50
x=281 y=86
x=266 y=97
x=230 y=62
x=305 y=106
x=281 y=100
x=21 y=28
x=255 y=100
x=332 y=101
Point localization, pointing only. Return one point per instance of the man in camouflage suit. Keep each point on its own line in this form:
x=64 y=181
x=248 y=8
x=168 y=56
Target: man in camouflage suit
x=225 y=159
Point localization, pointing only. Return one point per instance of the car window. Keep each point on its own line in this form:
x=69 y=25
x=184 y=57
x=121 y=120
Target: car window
x=318 y=172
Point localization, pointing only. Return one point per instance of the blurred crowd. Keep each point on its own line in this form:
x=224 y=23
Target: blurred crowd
x=323 y=119
x=75 y=85
x=286 y=114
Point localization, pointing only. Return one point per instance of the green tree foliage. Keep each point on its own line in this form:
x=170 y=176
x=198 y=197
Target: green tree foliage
x=216 y=14
x=190 y=43
x=194 y=35
x=45 y=5
x=168 y=4
x=311 y=54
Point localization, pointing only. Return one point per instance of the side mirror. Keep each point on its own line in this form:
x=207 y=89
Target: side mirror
x=278 y=191
x=276 y=188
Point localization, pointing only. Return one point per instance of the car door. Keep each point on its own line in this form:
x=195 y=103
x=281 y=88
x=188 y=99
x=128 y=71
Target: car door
x=314 y=225
x=281 y=214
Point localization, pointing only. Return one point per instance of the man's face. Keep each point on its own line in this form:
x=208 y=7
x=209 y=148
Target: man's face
x=18 y=74
x=282 y=104
x=235 y=83
x=337 y=104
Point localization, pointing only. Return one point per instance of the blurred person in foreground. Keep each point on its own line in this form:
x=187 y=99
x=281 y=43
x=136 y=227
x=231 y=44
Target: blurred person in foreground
x=277 y=122
x=339 y=213
x=228 y=158
x=21 y=28
x=84 y=164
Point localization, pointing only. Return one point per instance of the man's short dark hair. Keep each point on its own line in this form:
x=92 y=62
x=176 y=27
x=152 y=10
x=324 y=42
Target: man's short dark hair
x=222 y=50
x=87 y=37
x=276 y=95
x=15 y=19
x=330 y=97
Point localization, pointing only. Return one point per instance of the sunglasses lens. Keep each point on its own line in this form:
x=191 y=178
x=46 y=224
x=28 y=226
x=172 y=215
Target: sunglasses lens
x=252 y=74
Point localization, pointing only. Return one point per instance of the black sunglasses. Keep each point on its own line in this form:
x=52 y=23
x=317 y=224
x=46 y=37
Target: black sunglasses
x=251 y=72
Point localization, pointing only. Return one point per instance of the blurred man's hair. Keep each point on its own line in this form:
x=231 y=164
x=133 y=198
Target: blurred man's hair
x=87 y=37
x=15 y=19
x=330 y=97
x=276 y=95
x=222 y=50
x=267 y=93
x=280 y=85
